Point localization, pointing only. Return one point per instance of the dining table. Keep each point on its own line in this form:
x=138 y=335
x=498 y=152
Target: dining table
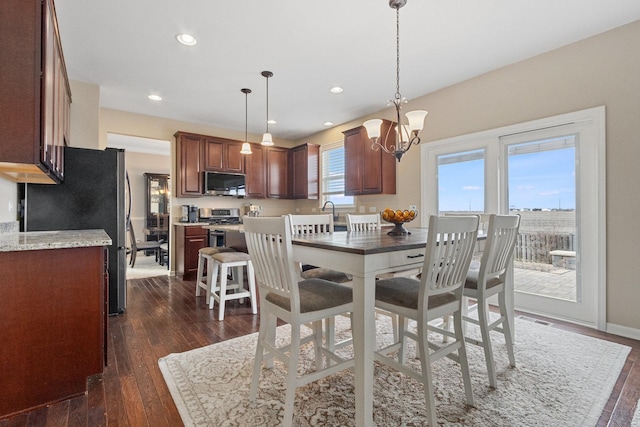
x=364 y=255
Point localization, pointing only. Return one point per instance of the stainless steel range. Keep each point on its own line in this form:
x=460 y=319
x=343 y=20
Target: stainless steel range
x=219 y=216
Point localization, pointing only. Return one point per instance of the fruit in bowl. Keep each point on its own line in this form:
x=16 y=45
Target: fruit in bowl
x=398 y=217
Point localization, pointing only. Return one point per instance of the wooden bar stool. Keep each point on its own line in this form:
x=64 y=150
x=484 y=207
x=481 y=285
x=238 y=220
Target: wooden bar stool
x=223 y=261
x=205 y=255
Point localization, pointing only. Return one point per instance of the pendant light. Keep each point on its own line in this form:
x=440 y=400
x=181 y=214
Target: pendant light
x=266 y=138
x=246 y=147
x=406 y=134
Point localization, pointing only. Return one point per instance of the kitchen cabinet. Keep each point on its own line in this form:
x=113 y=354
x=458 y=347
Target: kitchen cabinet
x=35 y=96
x=222 y=155
x=189 y=165
x=52 y=324
x=368 y=171
x=304 y=163
x=256 y=172
x=277 y=173
x=189 y=240
x=199 y=153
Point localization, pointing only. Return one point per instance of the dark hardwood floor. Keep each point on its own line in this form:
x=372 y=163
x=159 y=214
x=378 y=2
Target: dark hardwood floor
x=163 y=316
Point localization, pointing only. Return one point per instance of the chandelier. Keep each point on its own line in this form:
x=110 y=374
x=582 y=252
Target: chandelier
x=407 y=132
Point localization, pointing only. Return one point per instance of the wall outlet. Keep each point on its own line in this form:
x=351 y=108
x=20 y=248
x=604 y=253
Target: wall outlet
x=372 y=209
x=412 y=208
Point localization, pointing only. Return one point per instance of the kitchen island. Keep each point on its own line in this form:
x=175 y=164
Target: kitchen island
x=52 y=315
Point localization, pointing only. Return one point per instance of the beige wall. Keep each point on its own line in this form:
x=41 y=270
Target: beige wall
x=603 y=70
x=85 y=113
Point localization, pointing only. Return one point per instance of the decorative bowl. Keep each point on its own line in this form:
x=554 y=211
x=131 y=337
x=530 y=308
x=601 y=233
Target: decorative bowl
x=398 y=218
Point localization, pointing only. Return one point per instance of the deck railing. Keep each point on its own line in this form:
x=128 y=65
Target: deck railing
x=535 y=246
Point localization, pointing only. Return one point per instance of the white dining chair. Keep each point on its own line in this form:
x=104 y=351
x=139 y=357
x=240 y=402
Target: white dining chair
x=319 y=224
x=283 y=296
x=314 y=224
x=364 y=222
x=448 y=254
x=488 y=280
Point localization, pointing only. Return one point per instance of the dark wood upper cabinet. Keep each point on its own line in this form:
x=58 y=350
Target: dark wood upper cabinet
x=256 y=172
x=35 y=96
x=304 y=174
x=188 y=164
x=223 y=155
x=277 y=173
x=368 y=171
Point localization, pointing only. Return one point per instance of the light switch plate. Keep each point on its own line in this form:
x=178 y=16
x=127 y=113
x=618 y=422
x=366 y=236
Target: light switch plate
x=372 y=209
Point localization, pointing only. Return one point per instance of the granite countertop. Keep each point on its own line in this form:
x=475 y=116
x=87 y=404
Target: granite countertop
x=39 y=240
x=226 y=227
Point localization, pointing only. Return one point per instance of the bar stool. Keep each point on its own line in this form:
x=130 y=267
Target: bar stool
x=223 y=261
x=206 y=254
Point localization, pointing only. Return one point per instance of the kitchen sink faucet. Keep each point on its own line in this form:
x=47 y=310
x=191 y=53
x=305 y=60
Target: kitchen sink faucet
x=333 y=209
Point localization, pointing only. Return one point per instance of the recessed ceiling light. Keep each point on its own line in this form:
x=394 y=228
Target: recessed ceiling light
x=271 y=122
x=186 y=39
x=328 y=123
x=155 y=97
x=336 y=89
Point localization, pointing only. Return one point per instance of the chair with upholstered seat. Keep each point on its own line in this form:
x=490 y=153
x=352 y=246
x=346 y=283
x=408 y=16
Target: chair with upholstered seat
x=318 y=224
x=283 y=296
x=141 y=246
x=488 y=280
x=224 y=262
x=205 y=257
x=448 y=254
x=314 y=224
x=368 y=222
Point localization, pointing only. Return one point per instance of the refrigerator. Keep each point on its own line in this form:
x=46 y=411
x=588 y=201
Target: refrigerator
x=91 y=196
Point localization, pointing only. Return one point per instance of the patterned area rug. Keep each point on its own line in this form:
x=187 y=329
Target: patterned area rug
x=635 y=422
x=561 y=378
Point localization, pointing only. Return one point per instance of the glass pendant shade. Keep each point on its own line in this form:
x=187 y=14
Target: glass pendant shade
x=373 y=128
x=266 y=139
x=246 y=148
x=416 y=119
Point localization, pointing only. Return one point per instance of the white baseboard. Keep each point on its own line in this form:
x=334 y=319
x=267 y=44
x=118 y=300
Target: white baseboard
x=623 y=331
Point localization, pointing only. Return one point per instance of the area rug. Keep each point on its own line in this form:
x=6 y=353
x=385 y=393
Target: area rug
x=561 y=378
x=146 y=266
x=635 y=422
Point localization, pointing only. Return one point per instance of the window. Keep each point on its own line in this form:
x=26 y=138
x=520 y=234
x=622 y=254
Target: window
x=332 y=181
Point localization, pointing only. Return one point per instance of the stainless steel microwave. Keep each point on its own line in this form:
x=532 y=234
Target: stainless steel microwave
x=224 y=184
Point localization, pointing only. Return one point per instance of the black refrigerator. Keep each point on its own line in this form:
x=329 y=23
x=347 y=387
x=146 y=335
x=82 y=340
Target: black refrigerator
x=91 y=196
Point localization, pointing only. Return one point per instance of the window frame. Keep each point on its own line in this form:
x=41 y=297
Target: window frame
x=325 y=195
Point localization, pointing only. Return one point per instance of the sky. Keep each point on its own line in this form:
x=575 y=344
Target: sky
x=537 y=180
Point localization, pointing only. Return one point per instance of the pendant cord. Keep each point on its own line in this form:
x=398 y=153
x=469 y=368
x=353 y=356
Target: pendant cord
x=398 y=96
x=246 y=115
x=267 y=104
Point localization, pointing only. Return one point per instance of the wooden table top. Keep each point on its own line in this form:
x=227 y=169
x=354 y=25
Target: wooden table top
x=364 y=242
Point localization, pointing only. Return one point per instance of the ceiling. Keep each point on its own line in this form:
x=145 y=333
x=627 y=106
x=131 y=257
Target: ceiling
x=129 y=49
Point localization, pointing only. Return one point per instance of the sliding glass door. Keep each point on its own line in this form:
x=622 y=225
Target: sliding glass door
x=551 y=172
